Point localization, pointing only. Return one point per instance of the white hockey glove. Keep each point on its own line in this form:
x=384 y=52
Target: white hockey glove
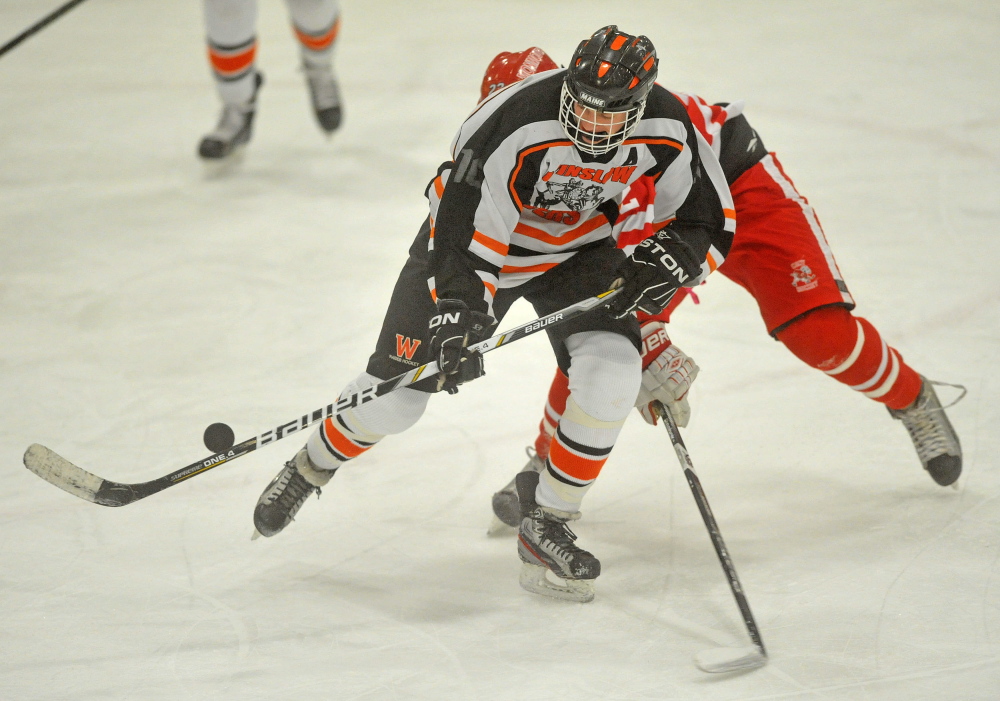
x=667 y=375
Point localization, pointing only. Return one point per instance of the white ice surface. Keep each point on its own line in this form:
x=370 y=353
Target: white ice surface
x=143 y=297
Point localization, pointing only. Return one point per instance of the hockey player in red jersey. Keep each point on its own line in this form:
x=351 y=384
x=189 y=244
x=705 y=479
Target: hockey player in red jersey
x=232 y=50
x=781 y=256
x=530 y=207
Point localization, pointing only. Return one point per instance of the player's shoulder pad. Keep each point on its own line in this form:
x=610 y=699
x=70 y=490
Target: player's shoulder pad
x=661 y=103
x=534 y=99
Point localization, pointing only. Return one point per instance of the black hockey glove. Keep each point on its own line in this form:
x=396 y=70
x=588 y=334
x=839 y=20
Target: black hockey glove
x=453 y=328
x=657 y=268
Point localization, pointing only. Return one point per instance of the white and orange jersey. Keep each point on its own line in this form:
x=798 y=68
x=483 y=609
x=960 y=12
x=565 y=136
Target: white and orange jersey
x=518 y=198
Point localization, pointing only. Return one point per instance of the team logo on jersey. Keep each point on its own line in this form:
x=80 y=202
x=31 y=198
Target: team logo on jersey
x=406 y=346
x=621 y=174
x=574 y=194
x=803 y=278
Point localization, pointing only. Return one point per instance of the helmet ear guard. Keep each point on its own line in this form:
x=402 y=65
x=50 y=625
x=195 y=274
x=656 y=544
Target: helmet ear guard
x=610 y=74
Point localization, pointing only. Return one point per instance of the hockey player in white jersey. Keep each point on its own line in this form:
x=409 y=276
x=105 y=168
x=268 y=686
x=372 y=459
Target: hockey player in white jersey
x=526 y=209
x=809 y=310
x=232 y=51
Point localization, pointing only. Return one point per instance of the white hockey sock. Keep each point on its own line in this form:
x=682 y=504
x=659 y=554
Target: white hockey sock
x=232 y=47
x=604 y=380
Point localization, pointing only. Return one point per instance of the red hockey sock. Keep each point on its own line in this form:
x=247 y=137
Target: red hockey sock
x=850 y=350
x=554 y=408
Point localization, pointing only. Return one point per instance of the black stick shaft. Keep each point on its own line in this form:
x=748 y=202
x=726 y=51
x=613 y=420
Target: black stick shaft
x=39 y=25
x=713 y=527
x=73 y=479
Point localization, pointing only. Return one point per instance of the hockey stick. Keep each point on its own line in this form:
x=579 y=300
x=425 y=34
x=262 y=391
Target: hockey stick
x=39 y=25
x=723 y=659
x=62 y=473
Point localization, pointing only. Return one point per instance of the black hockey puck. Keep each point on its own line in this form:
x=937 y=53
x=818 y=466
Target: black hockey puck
x=219 y=438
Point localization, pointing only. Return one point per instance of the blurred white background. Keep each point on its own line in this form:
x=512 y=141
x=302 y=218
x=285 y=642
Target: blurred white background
x=144 y=296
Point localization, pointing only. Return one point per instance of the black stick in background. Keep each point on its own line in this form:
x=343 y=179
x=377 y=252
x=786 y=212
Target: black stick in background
x=39 y=25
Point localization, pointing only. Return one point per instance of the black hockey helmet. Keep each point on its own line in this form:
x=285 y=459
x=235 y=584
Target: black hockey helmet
x=612 y=73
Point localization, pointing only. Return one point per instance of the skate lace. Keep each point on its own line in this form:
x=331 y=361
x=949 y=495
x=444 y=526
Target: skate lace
x=558 y=539
x=291 y=490
x=926 y=426
x=323 y=86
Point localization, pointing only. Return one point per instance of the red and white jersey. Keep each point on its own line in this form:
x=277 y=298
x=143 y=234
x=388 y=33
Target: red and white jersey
x=734 y=142
x=519 y=198
x=709 y=119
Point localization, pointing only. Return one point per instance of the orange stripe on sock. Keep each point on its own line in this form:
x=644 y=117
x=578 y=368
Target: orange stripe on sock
x=232 y=63
x=582 y=469
x=341 y=443
x=318 y=43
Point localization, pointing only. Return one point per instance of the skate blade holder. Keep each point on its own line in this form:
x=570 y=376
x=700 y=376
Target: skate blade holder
x=541 y=580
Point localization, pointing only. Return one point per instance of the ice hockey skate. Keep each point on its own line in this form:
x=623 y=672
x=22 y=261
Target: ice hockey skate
x=234 y=128
x=506 y=508
x=551 y=565
x=325 y=96
x=286 y=494
x=933 y=436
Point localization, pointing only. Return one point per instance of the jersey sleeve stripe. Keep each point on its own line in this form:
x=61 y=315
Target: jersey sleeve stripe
x=487 y=242
x=539 y=268
x=730 y=215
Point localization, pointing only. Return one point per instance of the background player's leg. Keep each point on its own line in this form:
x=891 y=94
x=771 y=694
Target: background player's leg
x=851 y=350
x=506 y=510
x=232 y=48
x=316 y=24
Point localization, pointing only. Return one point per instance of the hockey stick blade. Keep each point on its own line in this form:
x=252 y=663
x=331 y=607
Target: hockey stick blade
x=57 y=470
x=719 y=660
x=60 y=472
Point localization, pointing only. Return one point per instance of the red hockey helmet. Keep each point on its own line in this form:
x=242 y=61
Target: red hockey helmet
x=508 y=68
